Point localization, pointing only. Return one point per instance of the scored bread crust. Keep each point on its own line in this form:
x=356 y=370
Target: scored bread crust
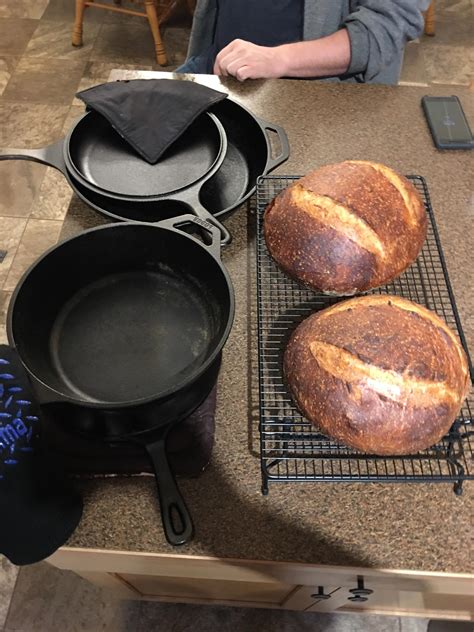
x=379 y=373
x=347 y=227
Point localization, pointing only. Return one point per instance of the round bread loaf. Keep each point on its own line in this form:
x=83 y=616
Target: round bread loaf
x=379 y=373
x=347 y=227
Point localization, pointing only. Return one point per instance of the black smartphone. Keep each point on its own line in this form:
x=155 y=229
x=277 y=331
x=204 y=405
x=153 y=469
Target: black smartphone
x=447 y=121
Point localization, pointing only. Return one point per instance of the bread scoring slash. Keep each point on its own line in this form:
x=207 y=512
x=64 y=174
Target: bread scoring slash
x=379 y=373
x=347 y=227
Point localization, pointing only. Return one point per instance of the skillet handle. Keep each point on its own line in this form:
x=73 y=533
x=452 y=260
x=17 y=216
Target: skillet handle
x=177 y=522
x=210 y=227
x=52 y=156
x=276 y=161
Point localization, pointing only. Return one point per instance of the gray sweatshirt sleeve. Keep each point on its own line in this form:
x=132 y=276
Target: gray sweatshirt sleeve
x=378 y=31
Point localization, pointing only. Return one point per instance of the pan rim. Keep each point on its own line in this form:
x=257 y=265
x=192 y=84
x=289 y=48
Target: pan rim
x=76 y=174
x=56 y=395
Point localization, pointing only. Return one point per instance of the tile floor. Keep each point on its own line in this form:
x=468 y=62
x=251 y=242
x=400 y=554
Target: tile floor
x=39 y=74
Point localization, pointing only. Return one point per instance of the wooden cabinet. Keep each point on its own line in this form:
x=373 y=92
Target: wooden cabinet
x=312 y=588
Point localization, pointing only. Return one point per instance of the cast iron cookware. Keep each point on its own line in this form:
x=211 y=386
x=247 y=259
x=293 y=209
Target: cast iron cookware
x=93 y=147
x=98 y=162
x=120 y=330
x=249 y=155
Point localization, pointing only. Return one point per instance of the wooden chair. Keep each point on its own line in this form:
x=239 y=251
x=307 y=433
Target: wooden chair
x=430 y=19
x=156 y=11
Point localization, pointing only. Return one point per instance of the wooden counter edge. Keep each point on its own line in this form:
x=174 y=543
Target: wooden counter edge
x=225 y=568
x=268 y=584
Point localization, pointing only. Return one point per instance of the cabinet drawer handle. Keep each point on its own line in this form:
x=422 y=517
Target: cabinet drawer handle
x=320 y=594
x=360 y=594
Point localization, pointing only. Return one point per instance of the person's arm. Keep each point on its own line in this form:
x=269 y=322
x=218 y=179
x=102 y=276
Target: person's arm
x=373 y=36
x=328 y=56
x=378 y=31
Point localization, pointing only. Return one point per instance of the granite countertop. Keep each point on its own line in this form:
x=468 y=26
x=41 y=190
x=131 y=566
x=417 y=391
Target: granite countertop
x=412 y=526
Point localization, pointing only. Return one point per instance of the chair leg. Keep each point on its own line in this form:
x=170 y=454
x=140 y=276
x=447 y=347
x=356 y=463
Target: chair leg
x=77 y=28
x=155 y=31
x=430 y=19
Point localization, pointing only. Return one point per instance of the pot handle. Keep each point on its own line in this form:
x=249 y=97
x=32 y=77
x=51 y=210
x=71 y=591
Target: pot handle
x=210 y=226
x=204 y=214
x=276 y=161
x=191 y=200
x=52 y=155
x=177 y=522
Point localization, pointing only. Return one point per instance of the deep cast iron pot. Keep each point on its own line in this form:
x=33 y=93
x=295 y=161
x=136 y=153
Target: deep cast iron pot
x=120 y=330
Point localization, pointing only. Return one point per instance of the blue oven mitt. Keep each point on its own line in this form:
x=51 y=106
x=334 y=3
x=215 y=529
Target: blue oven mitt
x=38 y=508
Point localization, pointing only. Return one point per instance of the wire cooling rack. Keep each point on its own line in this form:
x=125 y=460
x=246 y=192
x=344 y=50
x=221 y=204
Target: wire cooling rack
x=291 y=449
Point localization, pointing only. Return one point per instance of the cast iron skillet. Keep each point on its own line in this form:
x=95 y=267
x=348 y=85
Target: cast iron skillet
x=249 y=155
x=100 y=165
x=120 y=330
x=92 y=147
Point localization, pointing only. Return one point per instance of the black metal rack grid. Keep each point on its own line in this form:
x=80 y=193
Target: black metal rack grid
x=291 y=449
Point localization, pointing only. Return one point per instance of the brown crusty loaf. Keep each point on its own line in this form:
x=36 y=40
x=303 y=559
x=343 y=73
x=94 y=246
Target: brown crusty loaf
x=379 y=373
x=347 y=227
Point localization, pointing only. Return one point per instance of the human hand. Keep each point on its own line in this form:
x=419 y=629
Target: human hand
x=245 y=60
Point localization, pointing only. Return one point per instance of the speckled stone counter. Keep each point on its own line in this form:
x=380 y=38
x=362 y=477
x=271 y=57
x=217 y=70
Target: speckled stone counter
x=412 y=526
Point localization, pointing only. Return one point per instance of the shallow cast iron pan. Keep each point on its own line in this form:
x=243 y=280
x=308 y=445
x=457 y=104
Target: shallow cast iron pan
x=96 y=156
x=93 y=158
x=92 y=147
